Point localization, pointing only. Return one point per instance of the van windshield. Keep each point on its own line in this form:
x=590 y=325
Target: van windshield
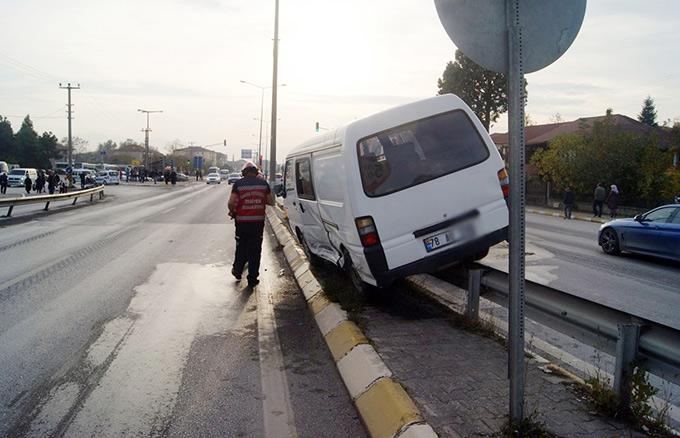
x=418 y=152
x=17 y=172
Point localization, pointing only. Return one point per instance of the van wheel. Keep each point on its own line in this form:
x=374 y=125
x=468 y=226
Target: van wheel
x=357 y=283
x=314 y=259
x=480 y=255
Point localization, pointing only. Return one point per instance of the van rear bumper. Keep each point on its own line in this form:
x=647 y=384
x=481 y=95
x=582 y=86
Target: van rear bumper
x=375 y=256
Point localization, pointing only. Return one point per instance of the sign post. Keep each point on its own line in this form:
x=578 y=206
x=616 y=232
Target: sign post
x=514 y=37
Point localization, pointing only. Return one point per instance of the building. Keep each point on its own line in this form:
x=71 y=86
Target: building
x=210 y=157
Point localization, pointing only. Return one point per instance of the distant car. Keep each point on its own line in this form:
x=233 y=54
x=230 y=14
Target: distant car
x=107 y=177
x=224 y=174
x=655 y=233
x=213 y=178
x=233 y=177
x=181 y=177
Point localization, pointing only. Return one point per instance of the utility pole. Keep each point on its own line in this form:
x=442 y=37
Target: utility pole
x=146 y=136
x=69 y=87
x=272 y=155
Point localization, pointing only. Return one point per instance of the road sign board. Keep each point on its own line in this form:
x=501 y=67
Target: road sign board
x=479 y=29
x=247 y=154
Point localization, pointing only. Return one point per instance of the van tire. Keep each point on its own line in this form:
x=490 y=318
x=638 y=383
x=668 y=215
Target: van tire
x=357 y=283
x=480 y=255
x=314 y=259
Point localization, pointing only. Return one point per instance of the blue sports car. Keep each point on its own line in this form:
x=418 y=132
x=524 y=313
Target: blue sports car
x=655 y=233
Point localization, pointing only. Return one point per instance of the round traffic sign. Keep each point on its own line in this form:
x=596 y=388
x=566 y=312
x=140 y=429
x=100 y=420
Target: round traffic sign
x=479 y=29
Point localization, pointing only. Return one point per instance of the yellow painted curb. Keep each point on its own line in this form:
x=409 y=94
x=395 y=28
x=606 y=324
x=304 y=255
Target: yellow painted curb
x=343 y=338
x=386 y=409
x=318 y=303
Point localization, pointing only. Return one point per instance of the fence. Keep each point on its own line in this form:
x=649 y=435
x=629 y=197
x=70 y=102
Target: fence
x=47 y=199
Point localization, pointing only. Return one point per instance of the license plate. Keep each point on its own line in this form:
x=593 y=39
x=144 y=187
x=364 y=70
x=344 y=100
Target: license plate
x=439 y=240
x=448 y=237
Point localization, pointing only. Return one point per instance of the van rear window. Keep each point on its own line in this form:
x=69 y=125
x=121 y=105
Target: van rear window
x=418 y=152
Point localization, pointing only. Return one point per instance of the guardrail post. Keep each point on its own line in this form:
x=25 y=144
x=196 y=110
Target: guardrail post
x=101 y=194
x=474 y=281
x=626 y=353
x=74 y=200
x=47 y=206
x=91 y=197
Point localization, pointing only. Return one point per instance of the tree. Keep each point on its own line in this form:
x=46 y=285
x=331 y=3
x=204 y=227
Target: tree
x=556 y=118
x=27 y=146
x=108 y=146
x=648 y=113
x=79 y=146
x=7 y=142
x=483 y=90
x=49 y=148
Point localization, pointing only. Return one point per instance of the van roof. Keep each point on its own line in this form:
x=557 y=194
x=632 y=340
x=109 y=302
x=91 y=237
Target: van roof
x=432 y=105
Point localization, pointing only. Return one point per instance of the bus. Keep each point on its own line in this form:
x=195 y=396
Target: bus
x=79 y=165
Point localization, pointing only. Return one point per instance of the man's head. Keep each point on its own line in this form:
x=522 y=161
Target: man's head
x=249 y=169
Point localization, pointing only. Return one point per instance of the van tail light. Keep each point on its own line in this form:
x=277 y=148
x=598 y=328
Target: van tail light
x=367 y=231
x=504 y=182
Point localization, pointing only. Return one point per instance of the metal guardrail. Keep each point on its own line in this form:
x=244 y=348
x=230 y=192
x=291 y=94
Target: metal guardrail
x=47 y=199
x=630 y=339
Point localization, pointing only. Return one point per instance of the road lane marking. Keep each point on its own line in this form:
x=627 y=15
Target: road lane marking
x=137 y=362
x=278 y=413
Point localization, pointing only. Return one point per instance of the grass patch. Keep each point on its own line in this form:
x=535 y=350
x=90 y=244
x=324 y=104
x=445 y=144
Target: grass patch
x=338 y=288
x=529 y=427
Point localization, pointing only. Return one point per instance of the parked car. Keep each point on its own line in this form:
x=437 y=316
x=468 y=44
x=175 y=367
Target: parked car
x=655 y=233
x=405 y=191
x=182 y=177
x=107 y=177
x=17 y=176
x=233 y=177
x=213 y=178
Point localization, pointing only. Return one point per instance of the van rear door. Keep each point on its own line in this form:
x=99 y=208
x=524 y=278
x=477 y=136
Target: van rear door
x=423 y=177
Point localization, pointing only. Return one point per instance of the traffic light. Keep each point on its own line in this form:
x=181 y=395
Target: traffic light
x=317 y=126
x=225 y=142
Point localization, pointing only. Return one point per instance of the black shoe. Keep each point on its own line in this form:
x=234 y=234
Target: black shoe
x=253 y=283
x=236 y=274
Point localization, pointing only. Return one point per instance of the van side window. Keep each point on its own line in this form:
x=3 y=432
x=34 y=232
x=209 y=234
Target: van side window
x=289 y=176
x=303 y=179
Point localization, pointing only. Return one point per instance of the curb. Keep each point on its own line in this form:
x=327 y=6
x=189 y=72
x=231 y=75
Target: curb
x=560 y=215
x=384 y=406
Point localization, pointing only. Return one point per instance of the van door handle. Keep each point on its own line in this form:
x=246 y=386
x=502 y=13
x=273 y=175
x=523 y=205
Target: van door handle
x=302 y=209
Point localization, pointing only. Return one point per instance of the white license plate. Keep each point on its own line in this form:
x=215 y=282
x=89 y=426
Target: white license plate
x=461 y=232
x=439 y=240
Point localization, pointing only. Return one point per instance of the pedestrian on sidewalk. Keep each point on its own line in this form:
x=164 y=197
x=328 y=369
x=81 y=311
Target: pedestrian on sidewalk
x=82 y=180
x=613 y=201
x=52 y=182
x=173 y=177
x=599 y=196
x=568 y=202
x=28 y=184
x=247 y=205
x=196 y=174
x=3 y=183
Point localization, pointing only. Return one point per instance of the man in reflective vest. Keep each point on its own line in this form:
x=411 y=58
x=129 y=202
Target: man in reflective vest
x=249 y=198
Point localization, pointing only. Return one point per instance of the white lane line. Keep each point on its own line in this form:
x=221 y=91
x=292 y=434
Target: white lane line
x=278 y=413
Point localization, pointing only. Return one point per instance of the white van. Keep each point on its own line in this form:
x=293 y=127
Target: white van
x=17 y=176
x=405 y=191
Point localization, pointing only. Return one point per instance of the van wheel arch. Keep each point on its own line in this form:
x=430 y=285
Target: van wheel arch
x=314 y=259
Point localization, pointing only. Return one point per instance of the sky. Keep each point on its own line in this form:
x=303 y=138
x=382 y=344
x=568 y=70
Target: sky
x=340 y=60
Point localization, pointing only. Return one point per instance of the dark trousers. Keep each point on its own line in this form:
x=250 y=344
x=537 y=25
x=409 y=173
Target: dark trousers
x=3 y=189
x=597 y=208
x=567 y=210
x=248 y=248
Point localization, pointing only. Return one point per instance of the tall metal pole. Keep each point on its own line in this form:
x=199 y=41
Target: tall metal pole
x=272 y=154
x=517 y=242
x=70 y=116
x=259 y=147
x=146 y=144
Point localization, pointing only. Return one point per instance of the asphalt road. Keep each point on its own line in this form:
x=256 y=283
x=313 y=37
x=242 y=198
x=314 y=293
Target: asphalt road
x=565 y=255
x=121 y=319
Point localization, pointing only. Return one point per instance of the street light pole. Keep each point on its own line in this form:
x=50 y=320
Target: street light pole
x=146 y=136
x=262 y=89
x=272 y=154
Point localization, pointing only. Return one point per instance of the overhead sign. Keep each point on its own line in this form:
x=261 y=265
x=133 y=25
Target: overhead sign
x=247 y=154
x=479 y=29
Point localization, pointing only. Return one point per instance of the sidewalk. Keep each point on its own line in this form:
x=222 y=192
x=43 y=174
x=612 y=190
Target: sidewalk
x=559 y=213
x=459 y=378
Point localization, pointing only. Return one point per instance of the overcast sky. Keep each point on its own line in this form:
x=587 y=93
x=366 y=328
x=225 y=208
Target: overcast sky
x=341 y=60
